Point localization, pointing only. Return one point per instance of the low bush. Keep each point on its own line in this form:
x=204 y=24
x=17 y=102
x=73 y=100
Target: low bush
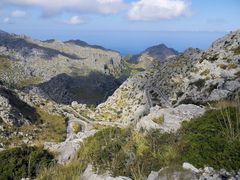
x=23 y=162
x=199 y=83
x=222 y=66
x=159 y=120
x=205 y=140
x=237 y=51
x=205 y=72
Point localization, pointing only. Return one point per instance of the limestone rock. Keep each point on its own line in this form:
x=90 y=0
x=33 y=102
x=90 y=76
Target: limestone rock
x=89 y=174
x=189 y=166
x=172 y=117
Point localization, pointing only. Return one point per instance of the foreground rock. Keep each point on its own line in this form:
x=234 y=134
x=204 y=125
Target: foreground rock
x=169 y=119
x=90 y=175
x=67 y=150
x=189 y=172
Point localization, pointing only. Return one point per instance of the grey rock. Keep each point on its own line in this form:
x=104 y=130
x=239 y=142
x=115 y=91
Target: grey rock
x=189 y=166
x=90 y=175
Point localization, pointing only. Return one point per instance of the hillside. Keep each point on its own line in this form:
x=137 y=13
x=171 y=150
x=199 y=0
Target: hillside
x=196 y=77
x=26 y=61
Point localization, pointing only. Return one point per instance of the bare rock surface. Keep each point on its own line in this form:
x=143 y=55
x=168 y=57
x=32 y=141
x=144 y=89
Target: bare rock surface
x=90 y=175
x=171 y=117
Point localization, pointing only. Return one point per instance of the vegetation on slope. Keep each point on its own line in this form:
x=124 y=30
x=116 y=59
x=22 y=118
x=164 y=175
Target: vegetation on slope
x=23 y=162
x=212 y=140
x=206 y=140
x=48 y=127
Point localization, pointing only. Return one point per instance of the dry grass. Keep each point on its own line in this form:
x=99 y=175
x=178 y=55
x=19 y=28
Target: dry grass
x=159 y=120
x=70 y=171
x=205 y=72
x=76 y=127
x=31 y=81
x=231 y=125
x=53 y=127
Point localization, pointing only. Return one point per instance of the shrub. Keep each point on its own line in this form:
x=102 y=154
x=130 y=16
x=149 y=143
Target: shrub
x=232 y=66
x=23 y=162
x=205 y=72
x=199 y=83
x=159 y=120
x=237 y=51
x=222 y=66
x=204 y=141
x=213 y=58
x=237 y=74
x=76 y=127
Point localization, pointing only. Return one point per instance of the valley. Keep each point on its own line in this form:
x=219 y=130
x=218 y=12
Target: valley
x=87 y=113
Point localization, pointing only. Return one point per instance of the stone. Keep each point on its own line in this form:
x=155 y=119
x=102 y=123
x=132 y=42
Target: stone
x=172 y=117
x=90 y=175
x=189 y=166
x=209 y=170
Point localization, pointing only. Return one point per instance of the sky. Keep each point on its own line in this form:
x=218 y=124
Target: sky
x=128 y=26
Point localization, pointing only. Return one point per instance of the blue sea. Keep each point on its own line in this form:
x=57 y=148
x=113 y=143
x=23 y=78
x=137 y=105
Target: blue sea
x=134 y=42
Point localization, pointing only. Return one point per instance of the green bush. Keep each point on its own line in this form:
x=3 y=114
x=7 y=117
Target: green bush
x=199 y=83
x=204 y=141
x=205 y=72
x=237 y=51
x=23 y=162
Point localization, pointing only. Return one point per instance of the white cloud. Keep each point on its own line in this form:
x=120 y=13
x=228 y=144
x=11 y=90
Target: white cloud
x=75 y=20
x=148 y=10
x=51 y=7
x=18 y=13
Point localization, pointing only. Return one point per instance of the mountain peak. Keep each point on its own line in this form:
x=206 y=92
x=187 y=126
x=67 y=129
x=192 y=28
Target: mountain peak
x=158 y=53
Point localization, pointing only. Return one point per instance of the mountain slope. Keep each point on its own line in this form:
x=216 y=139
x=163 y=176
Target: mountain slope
x=158 y=53
x=194 y=77
x=26 y=61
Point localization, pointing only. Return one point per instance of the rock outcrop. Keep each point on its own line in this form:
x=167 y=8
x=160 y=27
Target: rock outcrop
x=188 y=171
x=89 y=174
x=169 y=119
x=14 y=111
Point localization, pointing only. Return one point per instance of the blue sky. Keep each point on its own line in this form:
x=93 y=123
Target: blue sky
x=125 y=25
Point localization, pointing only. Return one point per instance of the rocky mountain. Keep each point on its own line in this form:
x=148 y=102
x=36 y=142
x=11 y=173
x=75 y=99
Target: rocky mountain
x=156 y=121
x=193 y=77
x=158 y=53
x=26 y=61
